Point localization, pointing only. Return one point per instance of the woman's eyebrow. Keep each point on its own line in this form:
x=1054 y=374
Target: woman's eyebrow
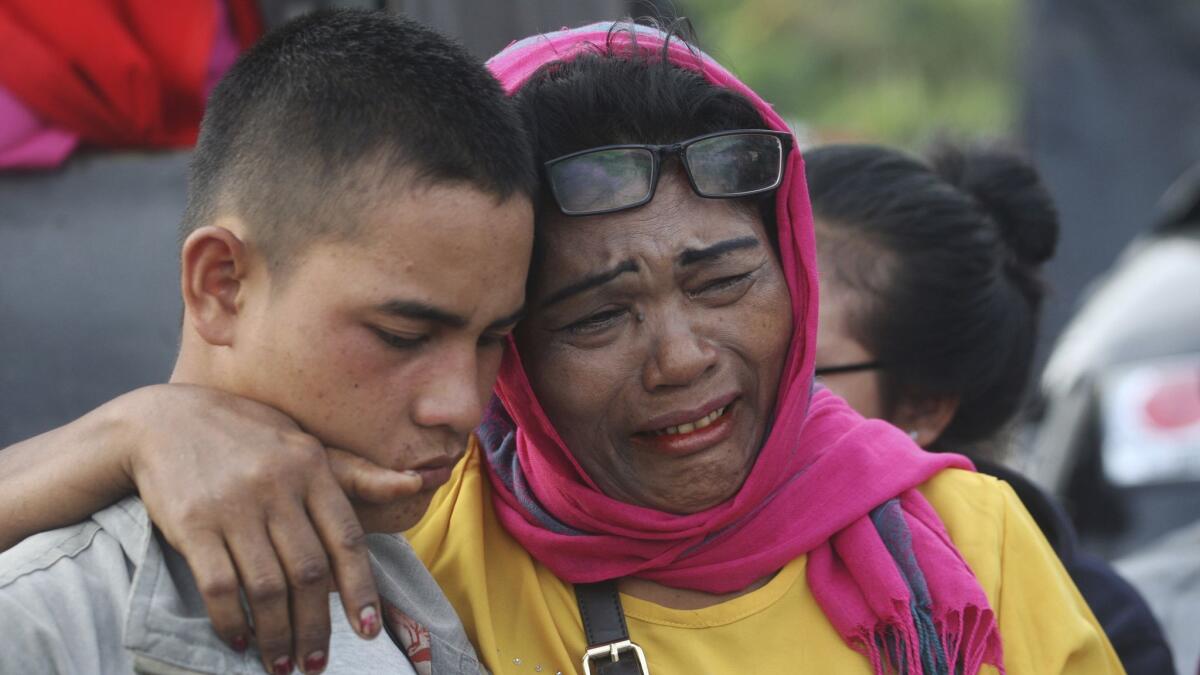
x=589 y=282
x=692 y=256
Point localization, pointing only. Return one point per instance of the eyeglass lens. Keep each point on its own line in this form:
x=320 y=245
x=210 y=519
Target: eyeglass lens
x=602 y=180
x=736 y=164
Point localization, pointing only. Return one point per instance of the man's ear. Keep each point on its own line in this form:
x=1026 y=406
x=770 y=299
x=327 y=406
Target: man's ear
x=925 y=418
x=213 y=268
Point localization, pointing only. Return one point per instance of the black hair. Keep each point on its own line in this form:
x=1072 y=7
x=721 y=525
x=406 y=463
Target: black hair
x=623 y=93
x=946 y=256
x=320 y=117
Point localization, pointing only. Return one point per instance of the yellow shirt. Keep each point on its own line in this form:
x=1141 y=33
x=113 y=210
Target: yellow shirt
x=524 y=620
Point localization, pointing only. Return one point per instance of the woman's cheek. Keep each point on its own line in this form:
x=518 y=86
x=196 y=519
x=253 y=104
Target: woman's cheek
x=774 y=336
x=562 y=383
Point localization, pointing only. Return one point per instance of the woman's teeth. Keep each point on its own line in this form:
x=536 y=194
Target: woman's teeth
x=692 y=426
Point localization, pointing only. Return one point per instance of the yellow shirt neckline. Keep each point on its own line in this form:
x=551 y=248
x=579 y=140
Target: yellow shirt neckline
x=720 y=614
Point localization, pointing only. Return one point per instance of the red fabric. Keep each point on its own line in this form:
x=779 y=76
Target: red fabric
x=120 y=73
x=247 y=21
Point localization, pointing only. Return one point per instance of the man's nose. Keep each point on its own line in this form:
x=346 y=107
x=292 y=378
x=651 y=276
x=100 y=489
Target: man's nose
x=450 y=397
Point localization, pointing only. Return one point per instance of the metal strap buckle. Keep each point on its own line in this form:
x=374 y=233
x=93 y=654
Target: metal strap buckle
x=613 y=650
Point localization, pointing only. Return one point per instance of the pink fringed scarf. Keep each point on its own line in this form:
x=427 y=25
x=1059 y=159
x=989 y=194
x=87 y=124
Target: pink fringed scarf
x=826 y=484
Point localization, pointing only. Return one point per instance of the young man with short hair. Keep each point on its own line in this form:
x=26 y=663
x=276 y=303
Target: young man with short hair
x=356 y=241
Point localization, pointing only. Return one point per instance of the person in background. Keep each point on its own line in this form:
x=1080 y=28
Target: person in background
x=930 y=300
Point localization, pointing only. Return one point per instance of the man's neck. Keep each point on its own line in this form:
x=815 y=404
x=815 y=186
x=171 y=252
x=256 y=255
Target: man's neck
x=196 y=362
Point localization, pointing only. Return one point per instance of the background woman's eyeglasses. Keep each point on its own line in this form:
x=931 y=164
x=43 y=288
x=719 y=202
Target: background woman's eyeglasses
x=821 y=371
x=724 y=165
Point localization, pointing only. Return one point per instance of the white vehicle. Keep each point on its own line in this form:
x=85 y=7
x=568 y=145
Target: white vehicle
x=1119 y=439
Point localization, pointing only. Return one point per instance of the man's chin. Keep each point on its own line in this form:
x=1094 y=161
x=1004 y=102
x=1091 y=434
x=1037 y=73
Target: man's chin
x=394 y=517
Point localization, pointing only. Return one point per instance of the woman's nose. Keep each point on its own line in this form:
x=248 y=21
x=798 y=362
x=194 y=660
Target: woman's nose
x=679 y=357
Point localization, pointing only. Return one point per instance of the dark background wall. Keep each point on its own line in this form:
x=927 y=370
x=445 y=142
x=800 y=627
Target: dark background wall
x=1112 y=119
x=89 y=288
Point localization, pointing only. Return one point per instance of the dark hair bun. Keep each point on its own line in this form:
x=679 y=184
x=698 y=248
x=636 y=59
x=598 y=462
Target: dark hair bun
x=1008 y=189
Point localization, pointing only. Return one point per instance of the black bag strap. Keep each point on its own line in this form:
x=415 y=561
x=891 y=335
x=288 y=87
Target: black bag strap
x=610 y=652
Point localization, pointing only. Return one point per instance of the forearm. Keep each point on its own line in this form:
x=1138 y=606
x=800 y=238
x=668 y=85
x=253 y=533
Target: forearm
x=65 y=474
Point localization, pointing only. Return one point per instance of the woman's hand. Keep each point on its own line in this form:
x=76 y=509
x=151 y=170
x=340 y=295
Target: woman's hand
x=250 y=501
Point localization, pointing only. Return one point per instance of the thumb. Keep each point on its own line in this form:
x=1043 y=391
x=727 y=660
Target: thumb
x=366 y=481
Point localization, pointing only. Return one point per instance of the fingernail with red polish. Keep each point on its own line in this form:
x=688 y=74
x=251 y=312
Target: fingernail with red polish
x=240 y=643
x=281 y=666
x=314 y=662
x=368 y=620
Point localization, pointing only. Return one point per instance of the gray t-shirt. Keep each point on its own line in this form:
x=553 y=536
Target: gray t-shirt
x=107 y=595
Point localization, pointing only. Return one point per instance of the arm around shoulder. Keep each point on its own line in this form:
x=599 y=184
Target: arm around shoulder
x=68 y=473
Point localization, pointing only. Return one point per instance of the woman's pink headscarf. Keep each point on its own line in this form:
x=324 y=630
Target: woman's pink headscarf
x=817 y=488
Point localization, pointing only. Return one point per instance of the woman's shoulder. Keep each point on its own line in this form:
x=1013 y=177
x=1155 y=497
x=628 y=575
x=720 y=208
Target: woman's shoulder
x=1046 y=624
x=968 y=497
x=984 y=519
x=973 y=486
x=973 y=501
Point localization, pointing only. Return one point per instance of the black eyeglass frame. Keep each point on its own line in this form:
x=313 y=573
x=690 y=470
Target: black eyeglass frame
x=658 y=152
x=849 y=368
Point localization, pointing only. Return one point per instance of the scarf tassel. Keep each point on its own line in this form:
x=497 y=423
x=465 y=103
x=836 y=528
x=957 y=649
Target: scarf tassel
x=967 y=639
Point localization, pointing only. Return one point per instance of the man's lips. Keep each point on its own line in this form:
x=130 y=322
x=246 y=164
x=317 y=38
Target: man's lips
x=434 y=477
x=435 y=472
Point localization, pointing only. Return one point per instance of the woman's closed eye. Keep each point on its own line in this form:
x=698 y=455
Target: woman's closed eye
x=727 y=288
x=728 y=285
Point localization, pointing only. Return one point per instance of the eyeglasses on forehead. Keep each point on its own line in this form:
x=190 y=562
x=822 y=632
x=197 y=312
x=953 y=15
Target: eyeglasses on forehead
x=721 y=165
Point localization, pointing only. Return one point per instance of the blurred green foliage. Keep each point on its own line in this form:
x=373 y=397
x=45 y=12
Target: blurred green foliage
x=890 y=70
